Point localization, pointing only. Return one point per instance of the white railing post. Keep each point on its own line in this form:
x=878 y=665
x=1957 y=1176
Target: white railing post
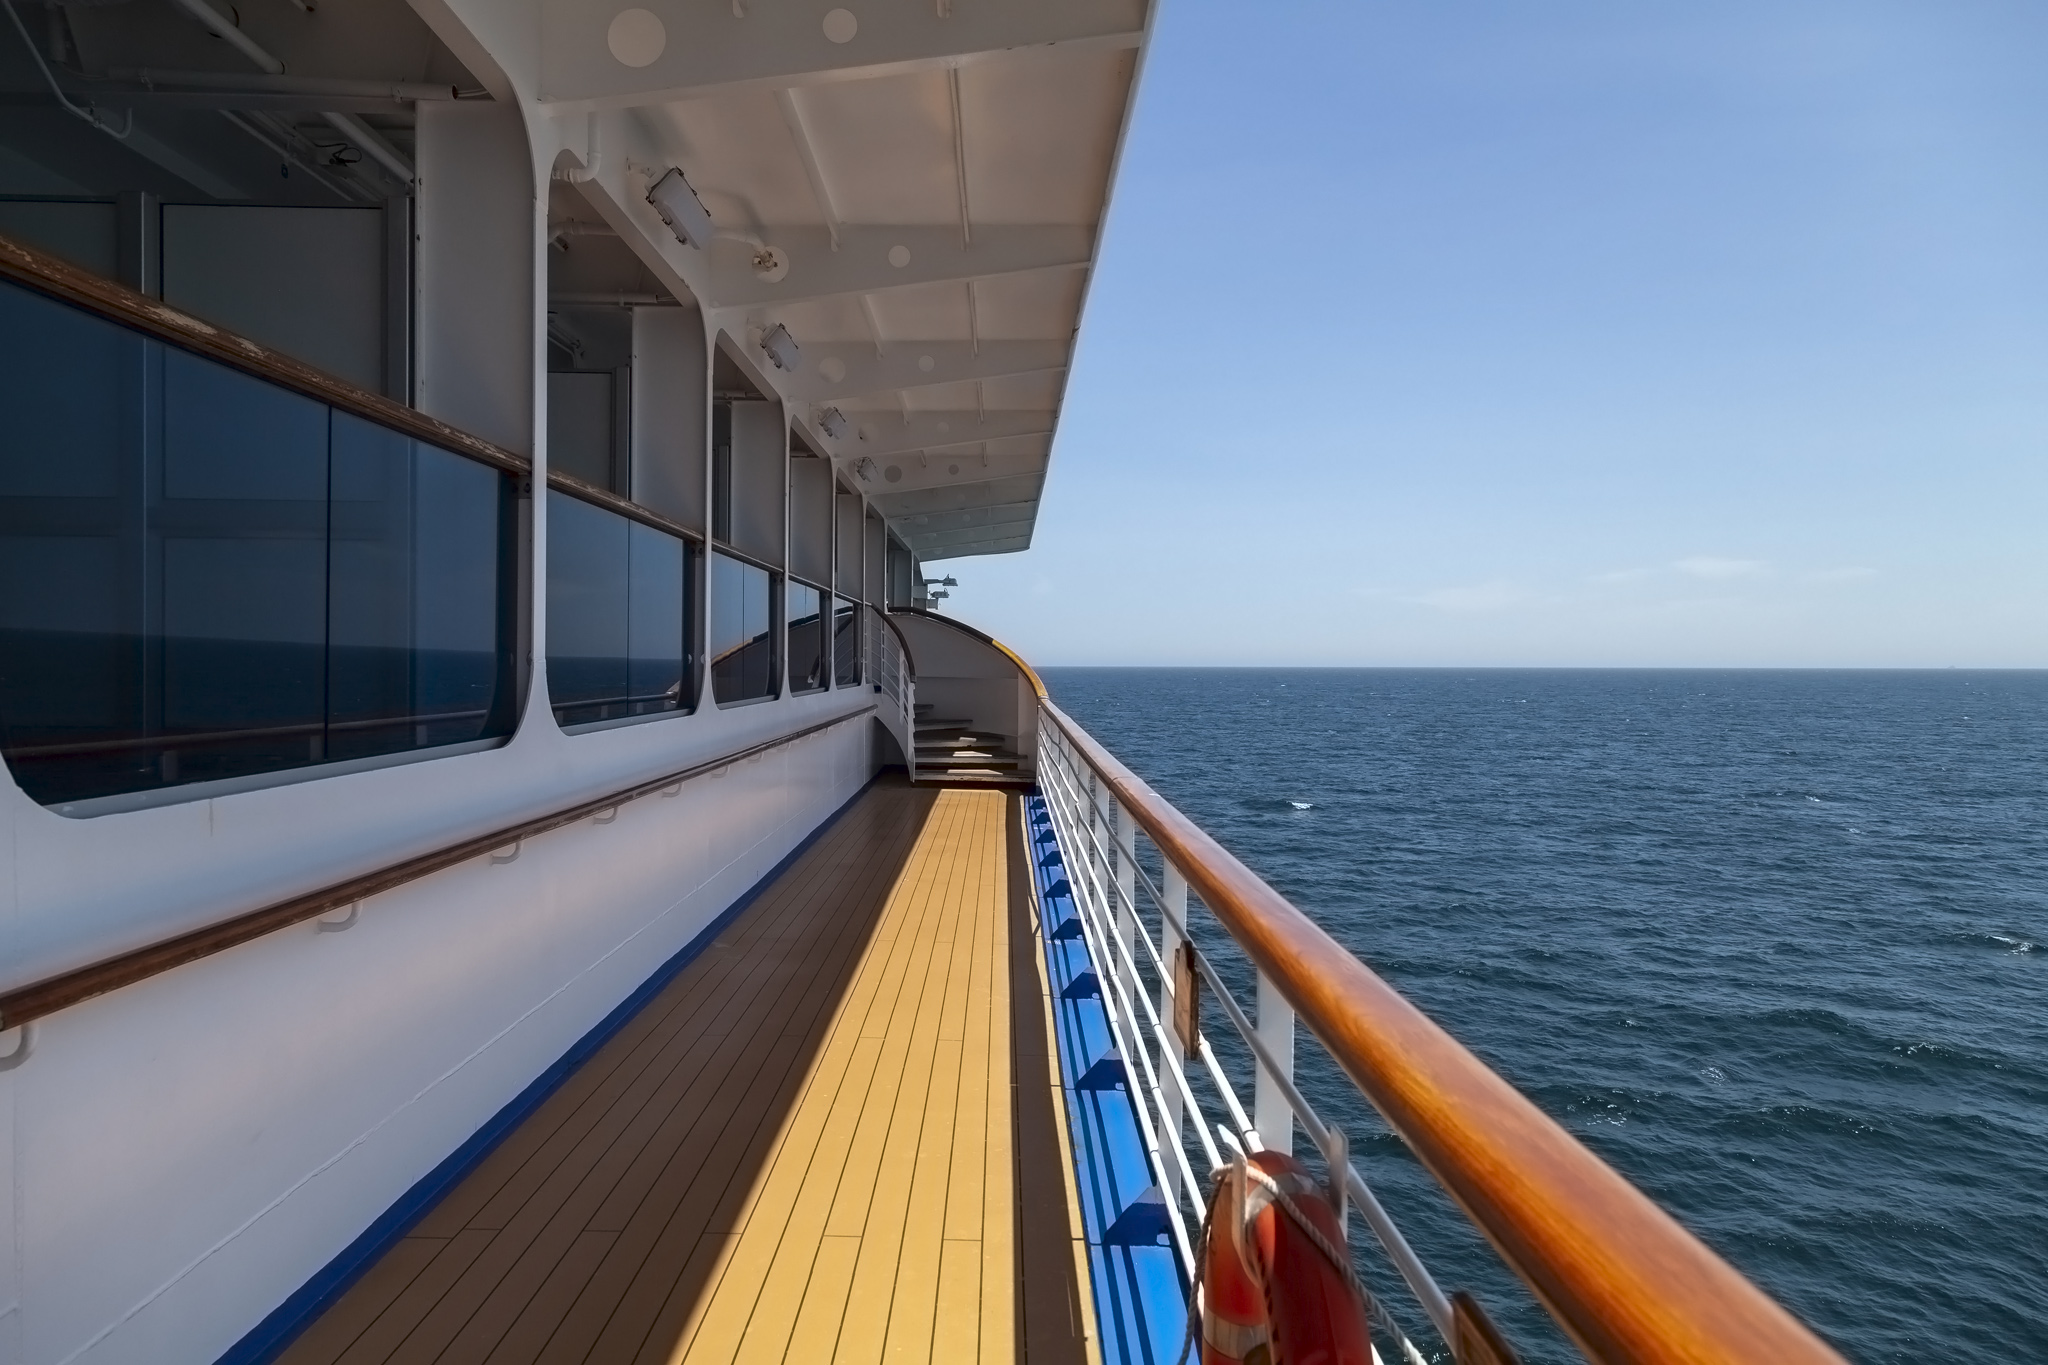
x=1127 y=926
x=1098 y=840
x=1175 y=910
x=1272 y=1115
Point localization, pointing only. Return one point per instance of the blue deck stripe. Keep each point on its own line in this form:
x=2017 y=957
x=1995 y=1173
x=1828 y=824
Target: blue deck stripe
x=1140 y=1295
x=268 y=1338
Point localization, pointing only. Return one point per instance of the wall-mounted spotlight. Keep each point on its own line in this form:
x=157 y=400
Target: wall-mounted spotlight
x=949 y=582
x=780 y=347
x=865 y=470
x=681 y=209
x=833 y=423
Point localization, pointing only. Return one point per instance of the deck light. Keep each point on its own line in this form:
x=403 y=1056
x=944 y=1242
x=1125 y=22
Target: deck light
x=833 y=423
x=949 y=582
x=681 y=209
x=865 y=470
x=780 y=346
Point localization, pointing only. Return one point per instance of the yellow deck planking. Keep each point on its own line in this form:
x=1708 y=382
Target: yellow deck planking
x=802 y=1150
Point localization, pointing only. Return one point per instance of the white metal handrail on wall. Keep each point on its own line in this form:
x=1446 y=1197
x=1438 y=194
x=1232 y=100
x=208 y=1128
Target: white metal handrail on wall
x=1098 y=837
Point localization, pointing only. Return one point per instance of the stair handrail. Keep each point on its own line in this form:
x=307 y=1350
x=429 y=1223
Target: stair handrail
x=1622 y=1277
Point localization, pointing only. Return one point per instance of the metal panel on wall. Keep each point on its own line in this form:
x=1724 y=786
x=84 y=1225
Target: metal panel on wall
x=669 y=419
x=760 y=455
x=848 y=515
x=305 y=281
x=810 y=518
x=877 y=540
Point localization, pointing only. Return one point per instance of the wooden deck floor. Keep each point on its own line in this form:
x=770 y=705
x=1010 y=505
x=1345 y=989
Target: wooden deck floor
x=806 y=1148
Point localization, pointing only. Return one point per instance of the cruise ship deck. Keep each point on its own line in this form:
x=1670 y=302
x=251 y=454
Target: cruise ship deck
x=806 y=1147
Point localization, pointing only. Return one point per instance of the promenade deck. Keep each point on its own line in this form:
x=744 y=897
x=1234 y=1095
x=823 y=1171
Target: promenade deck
x=836 y=1135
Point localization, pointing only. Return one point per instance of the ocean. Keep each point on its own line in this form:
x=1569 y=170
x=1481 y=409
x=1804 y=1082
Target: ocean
x=1773 y=944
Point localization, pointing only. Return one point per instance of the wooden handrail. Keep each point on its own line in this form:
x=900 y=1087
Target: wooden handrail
x=46 y=274
x=1617 y=1272
x=1031 y=677
x=25 y=1004
x=585 y=491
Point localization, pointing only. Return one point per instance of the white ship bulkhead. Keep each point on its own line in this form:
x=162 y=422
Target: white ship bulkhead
x=179 y=1156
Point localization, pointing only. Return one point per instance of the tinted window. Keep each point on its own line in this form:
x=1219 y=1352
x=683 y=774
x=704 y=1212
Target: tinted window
x=204 y=575
x=743 y=660
x=845 y=642
x=617 y=595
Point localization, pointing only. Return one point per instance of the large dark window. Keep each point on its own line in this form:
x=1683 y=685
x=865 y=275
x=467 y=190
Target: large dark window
x=617 y=615
x=807 y=655
x=845 y=641
x=205 y=576
x=744 y=664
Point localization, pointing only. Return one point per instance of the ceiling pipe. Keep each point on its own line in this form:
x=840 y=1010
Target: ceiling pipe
x=270 y=83
x=224 y=29
x=373 y=144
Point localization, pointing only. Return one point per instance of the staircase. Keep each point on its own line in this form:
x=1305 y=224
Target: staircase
x=951 y=751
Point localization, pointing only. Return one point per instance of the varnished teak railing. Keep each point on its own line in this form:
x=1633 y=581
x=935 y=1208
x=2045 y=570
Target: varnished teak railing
x=153 y=317
x=1617 y=1272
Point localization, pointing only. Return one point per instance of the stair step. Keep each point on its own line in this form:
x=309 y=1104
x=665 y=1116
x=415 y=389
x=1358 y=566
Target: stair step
x=974 y=779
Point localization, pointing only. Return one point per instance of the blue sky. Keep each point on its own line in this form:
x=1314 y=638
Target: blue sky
x=1574 y=333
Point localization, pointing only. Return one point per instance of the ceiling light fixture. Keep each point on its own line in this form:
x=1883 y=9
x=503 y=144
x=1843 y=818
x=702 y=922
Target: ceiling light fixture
x=681 y=209
x=780 y=347
x=833 y=423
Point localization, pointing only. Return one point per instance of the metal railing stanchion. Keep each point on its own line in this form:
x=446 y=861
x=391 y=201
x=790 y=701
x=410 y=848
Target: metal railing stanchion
x=1175 y=1045
x=1270 y=1110
x=1277 y=1074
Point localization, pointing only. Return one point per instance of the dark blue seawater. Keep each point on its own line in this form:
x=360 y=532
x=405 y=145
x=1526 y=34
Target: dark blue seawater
x=1774 y=944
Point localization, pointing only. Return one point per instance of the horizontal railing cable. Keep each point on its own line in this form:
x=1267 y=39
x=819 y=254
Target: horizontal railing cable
x=1405 y=1260
x=1623 y=1279
x=33 y=1001
x=1410 y=1267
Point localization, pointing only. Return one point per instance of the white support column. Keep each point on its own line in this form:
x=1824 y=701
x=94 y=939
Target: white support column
x=1270 y=1112
x=1176 y=908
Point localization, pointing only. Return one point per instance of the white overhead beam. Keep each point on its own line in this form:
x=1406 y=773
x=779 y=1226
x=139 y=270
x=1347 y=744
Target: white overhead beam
x=960 y=528
x=966 y=492
x=960 y=519
x=933 y=487
x=704 y=49
x=863 y=264
x=1009 y=545
x=883 y=436
x=912 y=365
x=799 y=130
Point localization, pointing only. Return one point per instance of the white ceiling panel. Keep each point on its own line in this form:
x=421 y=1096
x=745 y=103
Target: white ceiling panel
x=1039 y=148
x=1027 y=307
x=886 y=148
x=741 y=159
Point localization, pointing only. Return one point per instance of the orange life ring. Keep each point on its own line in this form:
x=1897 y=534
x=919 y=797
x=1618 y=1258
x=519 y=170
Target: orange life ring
x=1269 y=1295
